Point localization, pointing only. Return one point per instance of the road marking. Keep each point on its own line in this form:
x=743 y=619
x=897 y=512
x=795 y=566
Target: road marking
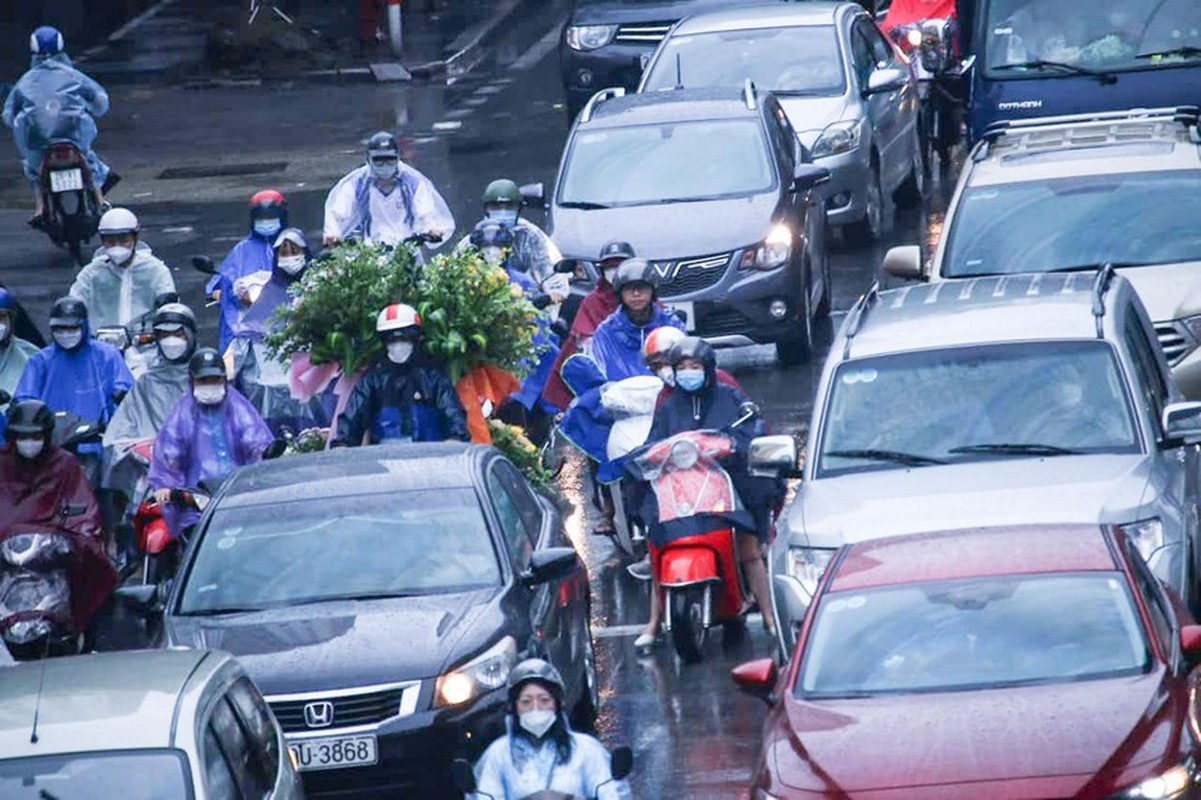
x=540 y=50
x=448 y=125
x=180 y=229
x=140 y=19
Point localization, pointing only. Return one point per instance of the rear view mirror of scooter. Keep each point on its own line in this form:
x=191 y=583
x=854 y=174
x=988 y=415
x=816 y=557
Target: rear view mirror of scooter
x=204 y=264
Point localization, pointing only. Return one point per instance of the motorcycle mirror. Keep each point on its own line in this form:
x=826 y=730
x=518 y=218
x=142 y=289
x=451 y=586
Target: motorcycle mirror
x=559 y=328
x=680 y=314
x=161 y=300
x=748 y=409
x=621 y=762
x=276 y=449
x=566 y=267
x=462 y=776
x=145 y=599
x=204 y=264
x=534 y=194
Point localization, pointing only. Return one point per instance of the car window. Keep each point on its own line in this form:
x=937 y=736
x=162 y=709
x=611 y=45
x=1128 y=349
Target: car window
x=783 y=139
x=1151 y=391
x=241 y=757
x=218 y=777
x=1148 y=586
x=881 y=50
x=252 y=711
x=527 y=505
x=861 y=53
x=512 y=527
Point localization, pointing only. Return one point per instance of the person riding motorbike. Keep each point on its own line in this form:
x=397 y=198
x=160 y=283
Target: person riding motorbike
x=52 y=102
x=532 y=251
x=539 y=751
x=211 y=431
x=14 y=351
x=125 y=279
x=255 y=253
x=403 y=396
x=701 y=402
x=908 y=12
x=385 y=201
x=617 y=344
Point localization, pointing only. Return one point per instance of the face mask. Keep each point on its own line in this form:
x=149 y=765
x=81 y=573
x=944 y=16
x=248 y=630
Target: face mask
x=68 y=340
x=494 y=256
x=667 y=375
x=209 y=395
x=537 y=722
x=267 y=227
x=610 y=273
x=690 y=380
x=400 y=352
x=505 y=216
x=118 y=254
x=4 y=329
x=30 y=448
x=290 y=264
x=173 y=348
x=384 y=171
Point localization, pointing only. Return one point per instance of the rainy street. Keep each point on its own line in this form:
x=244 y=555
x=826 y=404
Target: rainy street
x=191 y=152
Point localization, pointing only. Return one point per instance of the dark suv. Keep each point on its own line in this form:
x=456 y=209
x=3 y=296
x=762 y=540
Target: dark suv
x=608 y=42
x=712 y=187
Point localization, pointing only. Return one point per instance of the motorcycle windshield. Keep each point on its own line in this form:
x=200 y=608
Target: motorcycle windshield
x=686 y=476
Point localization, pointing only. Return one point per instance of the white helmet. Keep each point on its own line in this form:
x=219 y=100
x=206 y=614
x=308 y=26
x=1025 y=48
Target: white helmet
x=117 y=221
x=399 y=318
x=660 y=341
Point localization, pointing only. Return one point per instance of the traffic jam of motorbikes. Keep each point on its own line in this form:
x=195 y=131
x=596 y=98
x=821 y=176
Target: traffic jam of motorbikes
x=596 y=399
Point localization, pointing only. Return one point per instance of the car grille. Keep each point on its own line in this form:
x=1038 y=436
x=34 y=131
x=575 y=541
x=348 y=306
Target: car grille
x=690 y=275
x=351 y=707
x=723 y=321
x=1175 y=343
x=642 y=32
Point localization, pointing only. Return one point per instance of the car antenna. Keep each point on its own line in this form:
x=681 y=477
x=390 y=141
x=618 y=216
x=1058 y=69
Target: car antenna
x=37 y=704
x=679 y=73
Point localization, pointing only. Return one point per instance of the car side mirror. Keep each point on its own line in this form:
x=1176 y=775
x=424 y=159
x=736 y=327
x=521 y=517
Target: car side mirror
x=757 y=678
x=1182 y=423
x=567 y=266
x=904 y=261
x=775 y=457
x=809 y=176
x=145 y=599
x=462 y=776
x=885 y=80
x=551 y=564
x=204 y=264
x=621 y=763
x=1190 y=641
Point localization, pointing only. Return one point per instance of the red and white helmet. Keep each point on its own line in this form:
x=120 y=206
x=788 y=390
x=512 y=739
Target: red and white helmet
x=659 y=342
x=398 y=319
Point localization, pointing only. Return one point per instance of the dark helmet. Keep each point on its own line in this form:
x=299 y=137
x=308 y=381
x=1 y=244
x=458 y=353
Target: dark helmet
x=383 y=145
x=174 y=317
x=206 y=363
x=616 y=249
x=46 y=41
x=490 y=233
x=30 y=417
x=539 y=671
x=268 y=204
x=7 y=301
x=694 y=347
x=68 y=312
x=502 y=191
x=635 y=270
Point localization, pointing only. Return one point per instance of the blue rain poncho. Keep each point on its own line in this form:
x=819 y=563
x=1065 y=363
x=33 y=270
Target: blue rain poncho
x=252 y=254
x=119 y=295
x=83 y=381
x=51 y=102
x=617 y=344
x=355 y=207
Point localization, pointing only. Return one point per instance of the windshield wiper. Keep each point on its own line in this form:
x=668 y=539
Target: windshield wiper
x=583 y=205
x=908 y=459
x=1015 y=449
x=1041 y=64
x=1093 y=267
x=216 y=612
x=1184 y=51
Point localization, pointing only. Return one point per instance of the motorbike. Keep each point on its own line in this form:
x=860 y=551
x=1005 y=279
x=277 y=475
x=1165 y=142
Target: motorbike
x=160 y=551
x=72 y=207
x=630 y=403
x=692 y=549
x=621 y=764
x=931 y=46
x=135 y=340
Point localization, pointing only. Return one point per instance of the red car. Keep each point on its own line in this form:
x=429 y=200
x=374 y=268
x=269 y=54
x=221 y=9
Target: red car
x=1027 y=662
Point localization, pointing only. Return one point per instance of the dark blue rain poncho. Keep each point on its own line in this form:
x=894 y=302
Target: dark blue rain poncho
x=252 y=254
x=585 y=423
x=51 y=102
x=617 y=344
x=530 y=394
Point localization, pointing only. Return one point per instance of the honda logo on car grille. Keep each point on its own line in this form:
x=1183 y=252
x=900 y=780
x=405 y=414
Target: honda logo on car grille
x=319 y=715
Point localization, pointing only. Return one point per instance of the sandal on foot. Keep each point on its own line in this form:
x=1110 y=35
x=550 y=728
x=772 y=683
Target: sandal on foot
x=645 y=641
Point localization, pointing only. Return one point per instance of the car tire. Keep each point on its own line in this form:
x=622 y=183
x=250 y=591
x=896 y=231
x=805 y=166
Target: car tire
x=798 y=349
x=871 y=228
x=913 y=191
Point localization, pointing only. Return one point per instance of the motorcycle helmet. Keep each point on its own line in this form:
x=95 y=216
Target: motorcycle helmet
x=29 y=417
x=656 y=350
x=46 y=41
x=174 y=317
x=538 y=671
x=635 y=270
x=267 y=204
x=382 y=145
x=8 y=309
x=616 y=250
x=68 y=312
x=398 y=321
x=697 y=349
x=206 y=363
x=117 y=221
x=502 y=192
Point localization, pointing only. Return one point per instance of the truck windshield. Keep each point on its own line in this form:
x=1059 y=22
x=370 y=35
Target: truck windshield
x=1024 y=37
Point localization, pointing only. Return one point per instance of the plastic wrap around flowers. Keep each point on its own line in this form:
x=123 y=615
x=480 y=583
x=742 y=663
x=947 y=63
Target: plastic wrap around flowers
x=512 y=441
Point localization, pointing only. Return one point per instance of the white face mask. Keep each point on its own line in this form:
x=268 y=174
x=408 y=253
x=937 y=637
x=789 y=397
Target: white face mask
x=386 y=171
x=209 y=395
x=118 y=254
x=68 y=339
x=537 y=722
x=173 y=347
x=3 y=332
x=30 y=448
x=400 y=352
x=494 y=256
x=667 y=375
x=291 y=264
x=610 y=274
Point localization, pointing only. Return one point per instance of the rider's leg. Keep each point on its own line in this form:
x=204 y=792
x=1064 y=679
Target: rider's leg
x=750 y=554
x=651 y=632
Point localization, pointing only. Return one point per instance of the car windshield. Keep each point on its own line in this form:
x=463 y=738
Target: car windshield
x=132 y=775
x=973 y=634
x=1103 y=35
x=971 y=403
x=1045 y=225
x=670 y=162
x=360 y=547
x=792 y=60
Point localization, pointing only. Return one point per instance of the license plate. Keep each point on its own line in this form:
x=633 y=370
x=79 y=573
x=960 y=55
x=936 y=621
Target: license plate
x=644 y=59
x=66 y=180
x=684 y=306
x=335 y=752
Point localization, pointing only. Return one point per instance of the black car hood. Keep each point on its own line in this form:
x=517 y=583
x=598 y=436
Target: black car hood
x=671 y=230
x=343 y=643
x=588 y=12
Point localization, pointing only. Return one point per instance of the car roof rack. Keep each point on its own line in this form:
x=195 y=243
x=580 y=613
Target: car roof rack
x=611 y=93
x=1100 y=287
x=750 y=95
x=856 y=316
x=1102 y=123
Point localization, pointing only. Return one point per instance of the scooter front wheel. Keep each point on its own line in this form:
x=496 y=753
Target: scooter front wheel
x=688 y=630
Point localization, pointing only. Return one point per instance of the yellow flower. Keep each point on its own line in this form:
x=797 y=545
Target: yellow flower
x=516 y=291
x=529 y=448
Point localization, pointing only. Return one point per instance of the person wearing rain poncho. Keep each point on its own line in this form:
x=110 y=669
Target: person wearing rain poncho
x=125 y=281
x=52 y=102
x=532 y=251
x=385 y=201
x=14 y=352
x=254 y=254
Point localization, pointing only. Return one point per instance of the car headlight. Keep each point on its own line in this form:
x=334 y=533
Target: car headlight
x=1173 y=783
x=774 y=253
x=590 y=37
x=487 y=671
x=807 y=564
x=841 y=137
x=1146 y=535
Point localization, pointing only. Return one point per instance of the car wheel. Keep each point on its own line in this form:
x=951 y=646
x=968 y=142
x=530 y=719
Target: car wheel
x=913 y=190
x=688 y=631
x=583 y=716
x=797 y=348
x=825 y=303
x=871 y=227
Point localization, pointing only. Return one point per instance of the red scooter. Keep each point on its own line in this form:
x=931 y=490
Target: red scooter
x=160 y=550
x=692 y=550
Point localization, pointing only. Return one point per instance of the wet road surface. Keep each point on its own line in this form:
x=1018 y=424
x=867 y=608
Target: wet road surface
x=692 y=733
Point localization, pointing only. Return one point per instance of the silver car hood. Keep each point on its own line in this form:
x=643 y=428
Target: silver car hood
x=810 y=115
x=870 y=505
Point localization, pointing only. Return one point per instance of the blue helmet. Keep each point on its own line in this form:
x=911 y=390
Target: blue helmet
x=46 y=41
x=7 y=301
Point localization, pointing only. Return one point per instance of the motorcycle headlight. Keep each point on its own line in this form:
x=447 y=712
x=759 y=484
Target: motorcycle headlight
x=590 y=37
x=1165 y=786
x=487 y=671
x=841 y=137
x=1146 y=535
x=774 y=253
x=807 y=564
x=684 y=455
x=30 y=548
x=27 y=630
x=914 y=37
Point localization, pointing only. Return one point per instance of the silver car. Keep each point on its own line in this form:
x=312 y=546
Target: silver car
x=140 y=726
x=849 y=93
x=1026 y=399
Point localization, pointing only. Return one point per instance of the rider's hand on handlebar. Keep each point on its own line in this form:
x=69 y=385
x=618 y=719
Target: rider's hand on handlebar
x=329 y=240
x=162 y=496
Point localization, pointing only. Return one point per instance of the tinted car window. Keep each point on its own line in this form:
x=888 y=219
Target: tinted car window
x=1150 y=390
x=159 y=774
x=241 y=757
x=861 y=53
x=527 y=505
x=513 y=529
x=218 y=775
x=253 y=713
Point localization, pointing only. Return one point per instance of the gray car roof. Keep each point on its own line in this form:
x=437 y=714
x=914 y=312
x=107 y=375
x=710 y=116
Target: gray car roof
x=777 y=15
x=676 y=105
x=101 y=701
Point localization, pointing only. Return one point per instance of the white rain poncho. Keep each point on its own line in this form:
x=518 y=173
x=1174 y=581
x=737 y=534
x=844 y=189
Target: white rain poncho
x=53 y=101
x=118 y=295
x=356 y=207
x=12 y=364
x=139 y=417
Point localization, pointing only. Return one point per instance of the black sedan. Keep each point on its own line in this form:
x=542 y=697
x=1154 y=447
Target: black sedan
x=379 y=597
